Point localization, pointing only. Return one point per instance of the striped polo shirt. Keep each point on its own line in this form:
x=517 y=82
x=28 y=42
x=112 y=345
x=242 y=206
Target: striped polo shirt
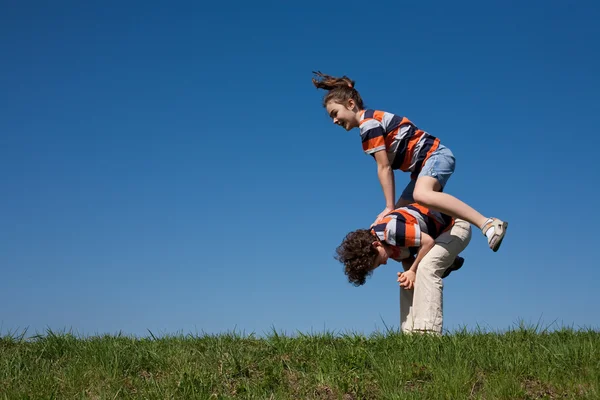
x=407 y=146
x=402 y=227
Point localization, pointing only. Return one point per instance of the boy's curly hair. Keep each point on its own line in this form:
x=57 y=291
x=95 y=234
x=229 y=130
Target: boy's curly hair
x=357 y=253
x=340 y=90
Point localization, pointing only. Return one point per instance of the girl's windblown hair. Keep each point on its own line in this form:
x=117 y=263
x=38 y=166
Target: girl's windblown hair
x=340 y=90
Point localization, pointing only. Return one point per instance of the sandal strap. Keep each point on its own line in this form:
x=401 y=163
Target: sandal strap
x=495 y=223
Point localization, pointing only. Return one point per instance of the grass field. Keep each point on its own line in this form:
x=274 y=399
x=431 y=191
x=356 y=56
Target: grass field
x=522 y=363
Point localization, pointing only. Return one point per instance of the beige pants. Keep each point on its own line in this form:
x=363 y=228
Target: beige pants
x=421 y=307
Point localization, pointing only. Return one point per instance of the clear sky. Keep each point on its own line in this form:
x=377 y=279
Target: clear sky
x=169 y=166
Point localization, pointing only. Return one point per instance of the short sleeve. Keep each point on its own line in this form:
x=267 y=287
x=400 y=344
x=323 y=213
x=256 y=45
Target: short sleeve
x=372 y=136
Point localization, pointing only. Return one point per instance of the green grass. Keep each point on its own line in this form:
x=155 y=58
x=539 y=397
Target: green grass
x=518 y=364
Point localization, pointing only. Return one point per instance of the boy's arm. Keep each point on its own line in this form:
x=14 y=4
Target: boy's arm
x=427 y=244
x=407 y=279
x=386 y=179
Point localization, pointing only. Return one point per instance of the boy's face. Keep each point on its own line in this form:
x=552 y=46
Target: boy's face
x=382 y=255
x=343 y=115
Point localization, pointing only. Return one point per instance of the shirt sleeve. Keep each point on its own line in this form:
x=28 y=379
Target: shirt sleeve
x=379 y=230
x=372 y=135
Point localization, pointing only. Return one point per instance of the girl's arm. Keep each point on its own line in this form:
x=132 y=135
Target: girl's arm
x=386 y=179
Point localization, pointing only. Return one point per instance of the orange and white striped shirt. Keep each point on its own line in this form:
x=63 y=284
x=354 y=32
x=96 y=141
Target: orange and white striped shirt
x=402 y=227
x=407 y=146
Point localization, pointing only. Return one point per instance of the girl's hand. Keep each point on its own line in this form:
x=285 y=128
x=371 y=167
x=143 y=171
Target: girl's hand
x=382 y=214
x=407 y=279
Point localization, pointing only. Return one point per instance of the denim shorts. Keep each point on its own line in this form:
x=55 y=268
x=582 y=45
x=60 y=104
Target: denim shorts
x=439 y=165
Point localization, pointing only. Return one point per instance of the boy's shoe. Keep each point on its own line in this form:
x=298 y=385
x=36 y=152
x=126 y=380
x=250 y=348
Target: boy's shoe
x=495 y=239
x=458 y=262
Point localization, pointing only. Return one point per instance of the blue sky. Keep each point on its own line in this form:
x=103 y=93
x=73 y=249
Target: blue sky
x=168 y=166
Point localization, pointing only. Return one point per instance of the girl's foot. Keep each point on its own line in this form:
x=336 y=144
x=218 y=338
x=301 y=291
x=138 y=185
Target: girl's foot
x=494 y=229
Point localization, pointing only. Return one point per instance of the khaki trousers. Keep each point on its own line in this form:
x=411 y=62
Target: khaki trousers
x=421 y=309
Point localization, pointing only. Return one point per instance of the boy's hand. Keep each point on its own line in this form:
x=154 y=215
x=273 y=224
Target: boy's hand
x=407 y=279
x=382 y=214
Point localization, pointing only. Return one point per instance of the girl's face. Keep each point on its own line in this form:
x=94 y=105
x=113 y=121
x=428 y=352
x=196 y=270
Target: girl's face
x=345 y=116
